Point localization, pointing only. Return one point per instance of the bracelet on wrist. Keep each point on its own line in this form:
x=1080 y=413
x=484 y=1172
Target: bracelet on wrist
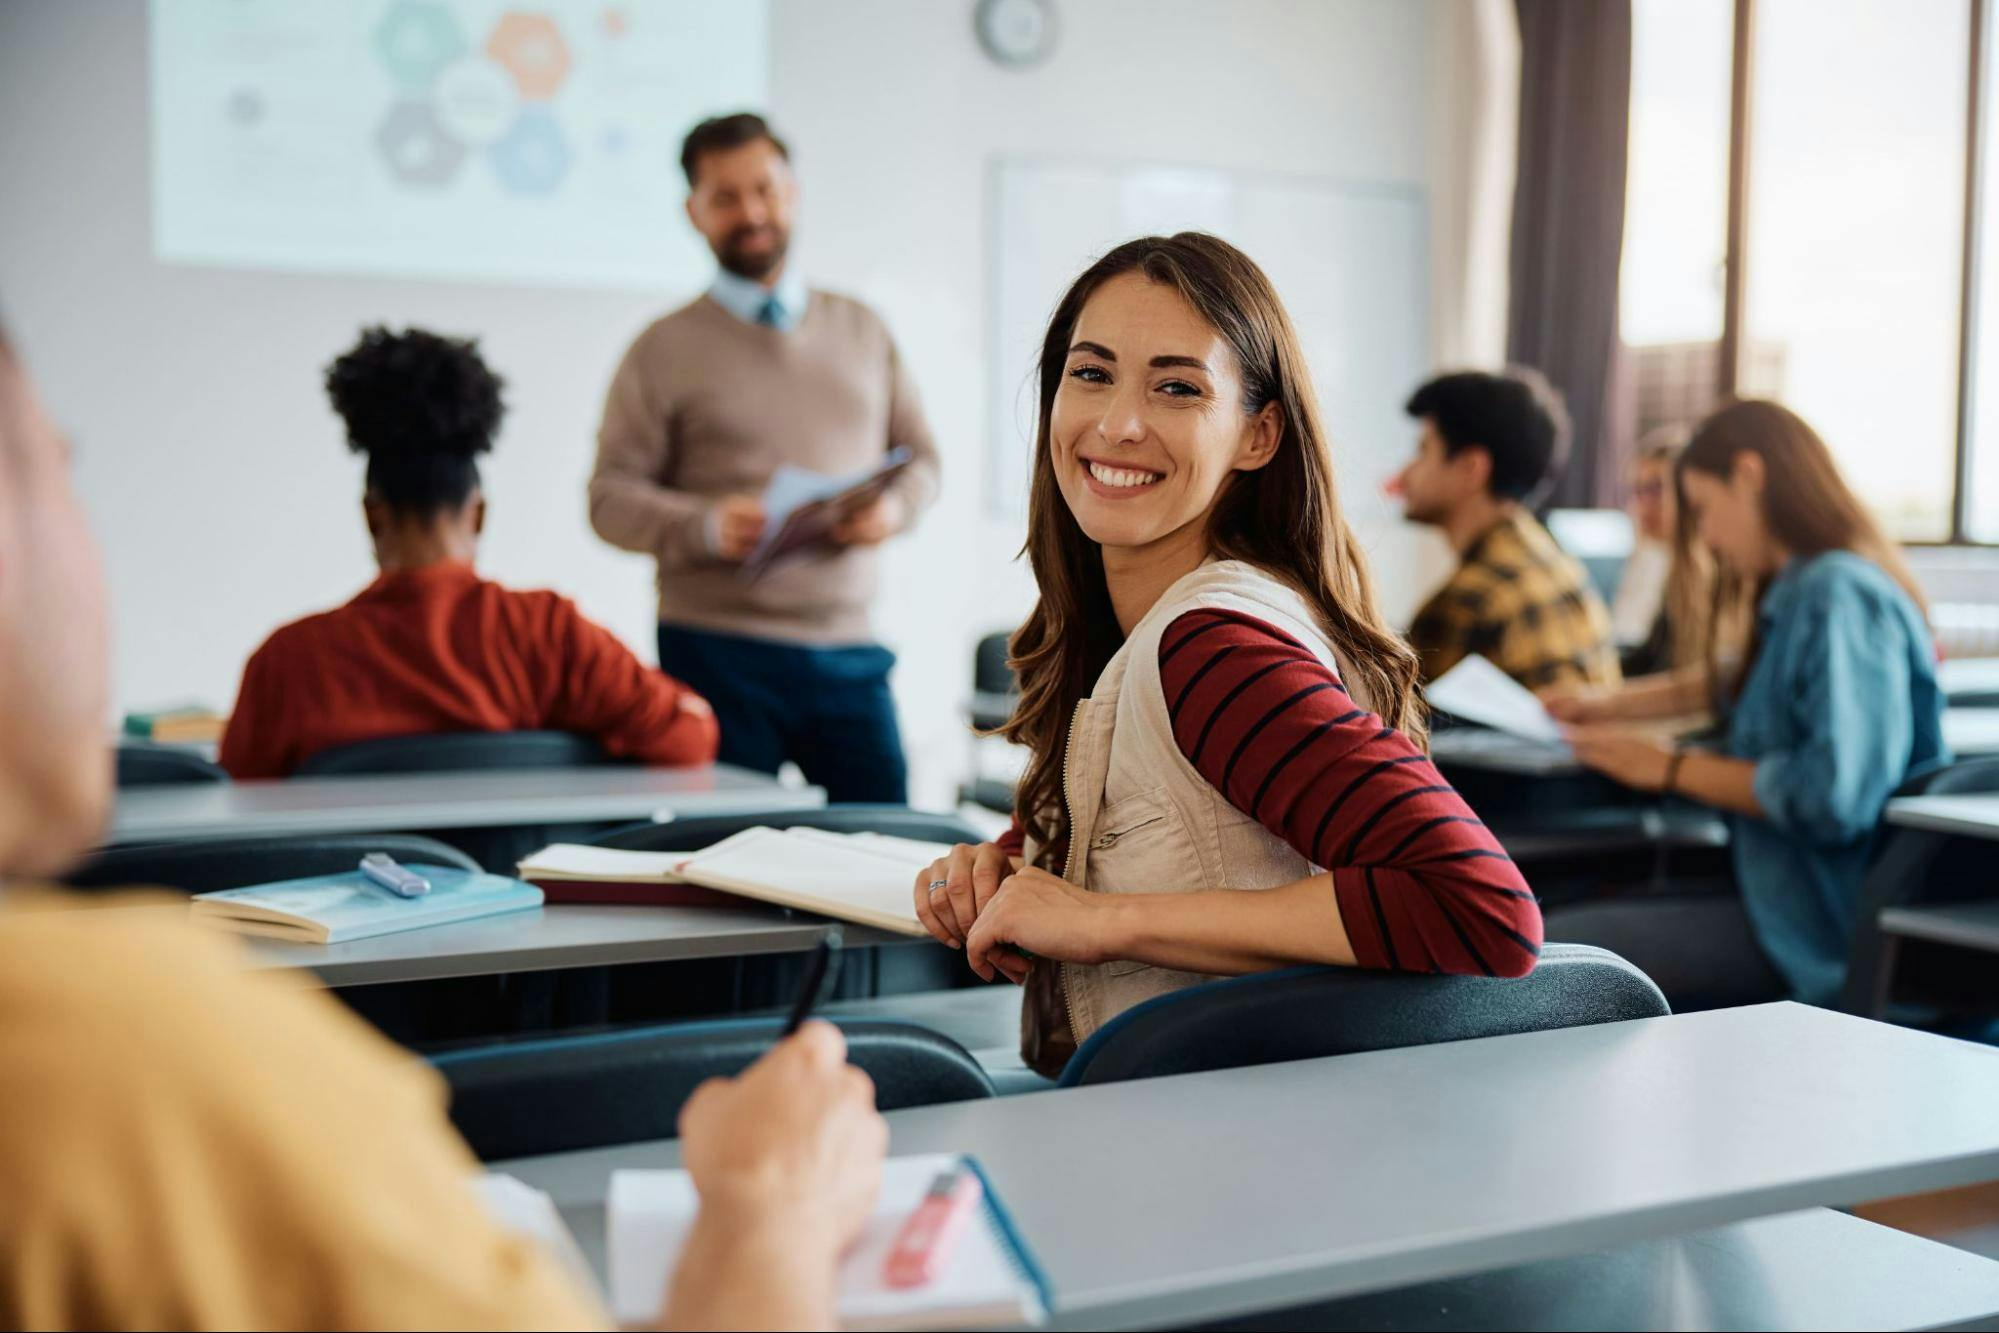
x=1671 y=785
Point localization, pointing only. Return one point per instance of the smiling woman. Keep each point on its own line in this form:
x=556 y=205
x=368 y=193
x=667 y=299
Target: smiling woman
x=1209 y=696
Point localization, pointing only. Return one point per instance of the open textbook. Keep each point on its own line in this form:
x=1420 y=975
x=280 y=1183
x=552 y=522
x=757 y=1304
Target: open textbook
x=865 y=878
x=1477 y=691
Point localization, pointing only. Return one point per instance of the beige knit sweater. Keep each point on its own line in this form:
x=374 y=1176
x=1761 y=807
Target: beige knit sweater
x=704 y=406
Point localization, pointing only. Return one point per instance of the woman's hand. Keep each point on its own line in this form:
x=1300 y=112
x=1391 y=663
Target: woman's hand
x=966 y=880
x=1635 y=760
x=1041 y=914
x=1578 y=703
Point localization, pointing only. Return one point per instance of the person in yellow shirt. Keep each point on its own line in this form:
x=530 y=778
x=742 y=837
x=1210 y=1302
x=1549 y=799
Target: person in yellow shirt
x=184 y=1145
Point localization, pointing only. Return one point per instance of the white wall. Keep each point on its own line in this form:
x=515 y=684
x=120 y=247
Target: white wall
x=215 y=472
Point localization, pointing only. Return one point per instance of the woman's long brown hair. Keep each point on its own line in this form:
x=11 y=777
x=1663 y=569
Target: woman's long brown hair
x=1283 y=518
x=1807 y=506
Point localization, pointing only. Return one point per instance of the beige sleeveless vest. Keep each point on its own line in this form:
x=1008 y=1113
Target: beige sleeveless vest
x=1143 y=820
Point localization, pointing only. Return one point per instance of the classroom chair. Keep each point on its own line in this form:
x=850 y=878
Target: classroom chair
x=1915 y=869
x=457 y=752
x=691 y=835
x=760 y=983
x=1301 y=1013
x=211 y=865
x=992 y=679
x=497 y=849
x=593 y=1090
x=144 y=764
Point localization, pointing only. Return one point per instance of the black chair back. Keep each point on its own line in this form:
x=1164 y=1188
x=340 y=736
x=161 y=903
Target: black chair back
x=1914 y=866
x=499 y=848
x=562 y=1094
x=691 y=835
x=458 y=752
x=1302 y=1013
x=990 y=673
x=236 y=863
x=145 y=764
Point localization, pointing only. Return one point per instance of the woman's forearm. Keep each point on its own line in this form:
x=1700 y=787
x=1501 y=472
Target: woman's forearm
x=1719 y=780
x=1225 y=932
x=1667 y=694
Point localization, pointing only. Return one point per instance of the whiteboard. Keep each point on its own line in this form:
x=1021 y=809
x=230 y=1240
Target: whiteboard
x=451 y=139
x=1349 y=261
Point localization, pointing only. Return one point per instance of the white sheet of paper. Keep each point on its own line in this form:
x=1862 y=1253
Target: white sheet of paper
x=1477 y=691
x=648 y=1213
x=610 y=863
x=521 y=1208
x=808 y=869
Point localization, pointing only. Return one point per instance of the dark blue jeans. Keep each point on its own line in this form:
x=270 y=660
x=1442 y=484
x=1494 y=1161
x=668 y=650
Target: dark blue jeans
x=828 y=710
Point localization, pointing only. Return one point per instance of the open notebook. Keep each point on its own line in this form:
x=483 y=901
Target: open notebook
x=330 y=909
x=991 y=1278
x=866 y=878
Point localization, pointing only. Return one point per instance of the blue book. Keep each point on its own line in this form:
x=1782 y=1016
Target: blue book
x=329 y=909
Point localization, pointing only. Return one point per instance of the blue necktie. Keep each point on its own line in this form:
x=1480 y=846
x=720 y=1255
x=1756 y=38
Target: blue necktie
x=771 y=314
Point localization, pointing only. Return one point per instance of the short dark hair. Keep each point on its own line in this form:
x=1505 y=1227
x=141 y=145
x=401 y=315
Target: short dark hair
x=721 y=133
x=1516 y=416
x=422 y=407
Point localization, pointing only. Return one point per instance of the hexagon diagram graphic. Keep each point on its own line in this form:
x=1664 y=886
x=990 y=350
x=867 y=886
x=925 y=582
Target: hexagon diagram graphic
x=415 y=40
x=531 y=46
x=534 y=155
x=416 y=147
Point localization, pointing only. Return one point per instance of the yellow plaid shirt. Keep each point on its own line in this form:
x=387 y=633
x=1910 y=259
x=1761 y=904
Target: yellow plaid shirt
x=1525 y=603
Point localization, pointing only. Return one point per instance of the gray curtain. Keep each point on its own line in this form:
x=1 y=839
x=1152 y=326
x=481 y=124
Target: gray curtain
x=1568 y=227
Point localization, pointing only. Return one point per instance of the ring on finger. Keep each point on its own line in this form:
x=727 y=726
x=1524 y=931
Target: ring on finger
x=935 y=885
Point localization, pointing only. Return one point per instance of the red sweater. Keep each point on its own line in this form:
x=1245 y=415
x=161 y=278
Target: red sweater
x=439 y=649
x=1422 y=885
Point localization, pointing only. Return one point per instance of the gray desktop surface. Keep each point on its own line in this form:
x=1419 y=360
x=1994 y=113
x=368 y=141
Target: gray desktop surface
x=1171 y=1201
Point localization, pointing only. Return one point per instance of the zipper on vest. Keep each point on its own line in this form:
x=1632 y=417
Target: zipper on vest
x=1069 y=857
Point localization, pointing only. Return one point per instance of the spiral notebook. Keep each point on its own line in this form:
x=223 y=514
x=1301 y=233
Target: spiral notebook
x=991 y=1278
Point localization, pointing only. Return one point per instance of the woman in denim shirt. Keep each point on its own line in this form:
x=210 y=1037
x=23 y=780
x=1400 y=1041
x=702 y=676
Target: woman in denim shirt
x=1835 y=705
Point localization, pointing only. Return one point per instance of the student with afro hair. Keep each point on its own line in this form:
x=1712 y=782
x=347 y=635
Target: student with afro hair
x=430 y=646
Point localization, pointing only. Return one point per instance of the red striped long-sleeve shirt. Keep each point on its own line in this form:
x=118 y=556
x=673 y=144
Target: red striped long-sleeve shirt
x=1422 y=884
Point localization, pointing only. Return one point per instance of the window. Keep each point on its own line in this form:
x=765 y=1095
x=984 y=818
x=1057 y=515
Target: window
x=1850 y=300
x=1855 y=244
x=1671 y=287
x=1981 y=502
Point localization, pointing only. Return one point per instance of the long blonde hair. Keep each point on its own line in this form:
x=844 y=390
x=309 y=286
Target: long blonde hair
x=1283 y=518
x=1690 y=577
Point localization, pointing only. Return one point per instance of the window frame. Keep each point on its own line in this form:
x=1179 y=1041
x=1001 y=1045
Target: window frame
x=1740 y=173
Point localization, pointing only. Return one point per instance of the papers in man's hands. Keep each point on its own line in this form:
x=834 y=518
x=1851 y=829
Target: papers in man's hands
x=1477 y=691
x=990 y=1278
x=802 y=507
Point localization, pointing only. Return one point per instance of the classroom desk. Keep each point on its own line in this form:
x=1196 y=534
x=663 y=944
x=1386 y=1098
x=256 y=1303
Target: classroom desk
x=494 y=798
x=1963 y=925
x=1171 y=1201
x=1972 y=816
x=1497 y=752
x=1971 y=732
x=1970 y=681
x=1542 y=805
x=563 y=936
